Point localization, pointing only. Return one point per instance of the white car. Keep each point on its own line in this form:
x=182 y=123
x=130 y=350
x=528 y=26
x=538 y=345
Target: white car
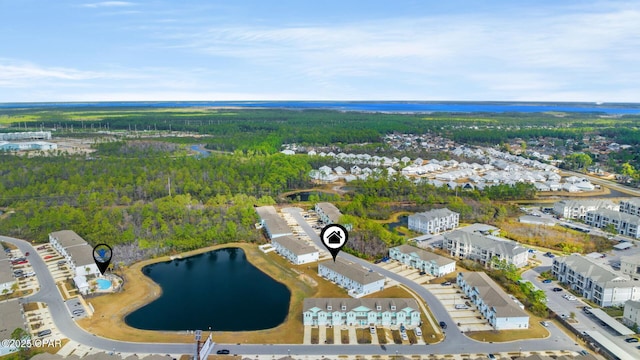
x=404 y=336
x=569 y=297
x=418 y=331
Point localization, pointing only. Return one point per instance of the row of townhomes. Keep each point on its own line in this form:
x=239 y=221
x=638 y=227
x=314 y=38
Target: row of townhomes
x=423 y=260
x=598 y=283
x=6 y=275
x=295 y=250
x=625 y=224
x=501 y=310
x=483 y=248
x=359 y=281
x=329 y=214
x=434 y=221
x=578 y=209
x=363 y=312
x=78 y=254
x=274 y=225
x=631 y=314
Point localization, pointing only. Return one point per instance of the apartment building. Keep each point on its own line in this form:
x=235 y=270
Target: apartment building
x=577 y=209
x=434 y=221
x=296 y=251
x=625 y=224
x=329 y=214
x=502 y=311
x=387 y=312
x=631 y=314
x=596 y=282
x=274 y=225
x=423 y=260
x=630 y=265
x=483 y=248
x=358 y=281
x=630 y=206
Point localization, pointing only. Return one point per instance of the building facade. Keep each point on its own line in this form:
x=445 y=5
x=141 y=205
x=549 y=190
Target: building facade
x=631 y=314
x=577 y=209
x=423 y=260
x=357 y=280
x=502 y=311
x=434 y=221
x=361 y=312
x=630 y=206
x=625 y=224
x=329 y=214
x=594 y=281
x=79 y=257
x=630 y=266
x=484 y=248
x=294 y=250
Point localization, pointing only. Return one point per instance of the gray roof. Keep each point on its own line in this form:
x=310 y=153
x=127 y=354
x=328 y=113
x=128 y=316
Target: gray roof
x=330 y=210
x=11 y=315
x=498 y=246
x=5 y=269
x=423 y=254
x=632 y=201
x=612 y=214
x=298 y=247
x=274 y=222
x=81 y=254
x=631 y=259
x=352 y=271
x=67 y=238
x=586 y=267
x=493 y=295
x=433 y=214
x=587 y=203
x=350 y=303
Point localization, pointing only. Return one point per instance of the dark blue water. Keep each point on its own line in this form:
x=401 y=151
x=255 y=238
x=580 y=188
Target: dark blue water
x=368 y=106
x=219 y=289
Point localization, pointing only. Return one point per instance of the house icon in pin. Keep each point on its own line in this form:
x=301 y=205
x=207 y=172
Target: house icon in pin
x=334 y=238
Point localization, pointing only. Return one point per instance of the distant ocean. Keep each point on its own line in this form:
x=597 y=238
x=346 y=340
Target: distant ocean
x=365 y=106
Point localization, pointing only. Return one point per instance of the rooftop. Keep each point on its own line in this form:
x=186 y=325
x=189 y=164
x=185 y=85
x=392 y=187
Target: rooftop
x=494 y=244
x=330 y=210
x=11 y=315
x=81 y=254
x=424 y=255
x=493 y=295
x=352 y=271
x=588 y=268
x=612 y=214
x=298 y=247
x=351 y=304
x=273 y=221
x=67 y=238
x=433 y=214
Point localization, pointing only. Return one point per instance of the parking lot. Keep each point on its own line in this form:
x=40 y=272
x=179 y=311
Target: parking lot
x=23 y=272
x=55 y=263
x=39 y=320
x=465 y=315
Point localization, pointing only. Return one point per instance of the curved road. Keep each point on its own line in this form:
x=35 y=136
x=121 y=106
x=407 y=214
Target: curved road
x=454 y=343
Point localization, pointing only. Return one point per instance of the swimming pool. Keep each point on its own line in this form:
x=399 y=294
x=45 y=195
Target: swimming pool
x=103 y=284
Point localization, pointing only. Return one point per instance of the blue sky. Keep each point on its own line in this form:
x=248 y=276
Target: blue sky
x=319 y=50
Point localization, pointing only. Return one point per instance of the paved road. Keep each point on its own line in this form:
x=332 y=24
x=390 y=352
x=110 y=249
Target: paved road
x=455 y=342
x=608 y=183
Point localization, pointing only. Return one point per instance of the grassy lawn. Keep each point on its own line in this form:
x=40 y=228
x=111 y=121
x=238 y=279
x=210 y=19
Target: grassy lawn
x=344 y=336
x=315 y=335
x=614 y=311
x=535 y=331
x=396 y=336
x=363 y=335
x=330 y=339
x=382 y=335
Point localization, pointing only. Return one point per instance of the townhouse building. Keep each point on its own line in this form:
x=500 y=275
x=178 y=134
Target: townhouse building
x=273 y=224
x=625 y=224
x=357 y=280
x=631 y=314
x=434 y=221
x=630 y=206
x=630 y=266
x=76 y=251
x=295 y=250
x=329 y=214
x=387 y=312
x=577 y=209
x=484 y=248
x=596 y=282
x=7 y=281
x=501 y=310
x=423 y=260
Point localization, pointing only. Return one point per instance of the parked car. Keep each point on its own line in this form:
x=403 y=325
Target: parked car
x=48 y=257
x=443 y=324
x=446 y=283
x=20 y=262
x=404 y=336
x=422 y=273
x=222 y=352
x=587 y=309
x=44 y=333
x=26 y=254
x=557 y=289
x=549 y=254
x=631 y=340
x=41 y=247
x=547 y=281
x=461 y=306
x=545 y=323
x=372 y=329
x=491 y=356
x=418 y=331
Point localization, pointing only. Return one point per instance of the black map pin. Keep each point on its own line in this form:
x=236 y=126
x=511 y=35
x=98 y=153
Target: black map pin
x=102 y=256
x=334 y=237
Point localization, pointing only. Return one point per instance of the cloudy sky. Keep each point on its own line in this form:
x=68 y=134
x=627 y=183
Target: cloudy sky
x=538 y=50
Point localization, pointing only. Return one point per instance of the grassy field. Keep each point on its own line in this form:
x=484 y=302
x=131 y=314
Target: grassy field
x=303 y=282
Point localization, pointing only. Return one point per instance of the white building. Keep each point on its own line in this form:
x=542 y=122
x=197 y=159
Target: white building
x=358 y=280
x=274 y=224
x=469 y=245
x=7 y=281
x=78 y=254
x=625 y=224
x=294 y=250
x=434 y=221
x=387 y=312
x=630 y=206
x=27 y=135
x=502 y=312
x=631 y=315
x=630 y=265
x=594 y=281
x=329 y=214
x=577 y=209
x=423 y=260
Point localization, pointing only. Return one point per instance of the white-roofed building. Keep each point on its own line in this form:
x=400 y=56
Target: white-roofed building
x=387 y=312
x=76 y=251
x=434 y=221
x=630 y=206
x=294 y=250
x=469 y=245
x=357 y=280
x=625 y=224
x=274 y=225
x=423 y=260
